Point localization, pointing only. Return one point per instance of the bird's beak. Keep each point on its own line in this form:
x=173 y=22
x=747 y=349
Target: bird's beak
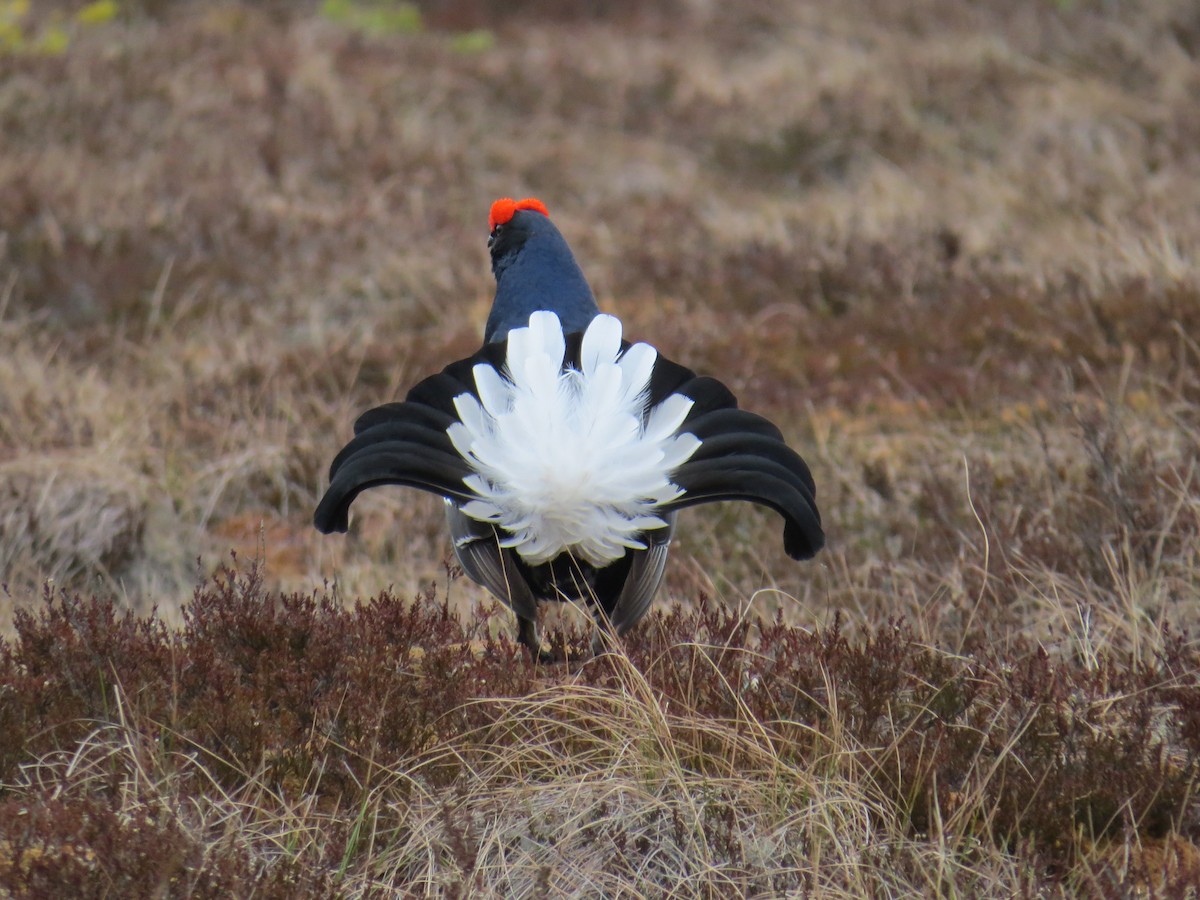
x=491 y=240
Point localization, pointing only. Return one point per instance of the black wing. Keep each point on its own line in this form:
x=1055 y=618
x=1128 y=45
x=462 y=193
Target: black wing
x=741 y=456
x=645 y=575
x=477 y=546
x=406 y=444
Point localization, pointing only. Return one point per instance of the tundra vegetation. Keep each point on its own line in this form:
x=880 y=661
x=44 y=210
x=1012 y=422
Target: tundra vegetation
x=951 y=248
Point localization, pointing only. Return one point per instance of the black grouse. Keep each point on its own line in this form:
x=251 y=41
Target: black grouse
x=565 y=452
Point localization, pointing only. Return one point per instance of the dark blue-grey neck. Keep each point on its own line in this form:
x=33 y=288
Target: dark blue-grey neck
x=541 y=274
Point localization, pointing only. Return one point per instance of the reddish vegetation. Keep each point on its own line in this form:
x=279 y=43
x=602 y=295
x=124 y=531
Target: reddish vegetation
x=296 y=695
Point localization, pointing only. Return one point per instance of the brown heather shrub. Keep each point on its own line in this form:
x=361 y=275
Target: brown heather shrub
x=292 y=696
x=1101 y=506
x=81 y=844
x=265 y=684
x=1049 y=746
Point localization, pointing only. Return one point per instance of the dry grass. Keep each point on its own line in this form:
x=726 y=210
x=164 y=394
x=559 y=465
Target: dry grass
x=285 y=746
x=951 y=248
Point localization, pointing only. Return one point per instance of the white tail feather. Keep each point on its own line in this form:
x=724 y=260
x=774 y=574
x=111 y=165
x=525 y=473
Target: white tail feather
x=568 y=459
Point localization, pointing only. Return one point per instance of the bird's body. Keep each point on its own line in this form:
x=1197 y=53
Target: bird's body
x=563 y=451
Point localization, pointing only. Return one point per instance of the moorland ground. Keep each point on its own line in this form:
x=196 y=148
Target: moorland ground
x=951 y=248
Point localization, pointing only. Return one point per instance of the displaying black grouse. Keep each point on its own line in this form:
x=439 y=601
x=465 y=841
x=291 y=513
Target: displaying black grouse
x=565 y=452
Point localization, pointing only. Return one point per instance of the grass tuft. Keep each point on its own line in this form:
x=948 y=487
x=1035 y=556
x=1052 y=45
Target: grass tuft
x=274 y=737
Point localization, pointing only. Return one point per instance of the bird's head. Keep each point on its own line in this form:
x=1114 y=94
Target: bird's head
x=534 y=269
x=510 y=224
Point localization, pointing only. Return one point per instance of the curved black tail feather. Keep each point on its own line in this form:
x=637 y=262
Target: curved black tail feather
x=741 y=456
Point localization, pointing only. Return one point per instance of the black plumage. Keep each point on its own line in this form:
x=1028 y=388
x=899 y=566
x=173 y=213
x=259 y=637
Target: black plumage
x=741 y=456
